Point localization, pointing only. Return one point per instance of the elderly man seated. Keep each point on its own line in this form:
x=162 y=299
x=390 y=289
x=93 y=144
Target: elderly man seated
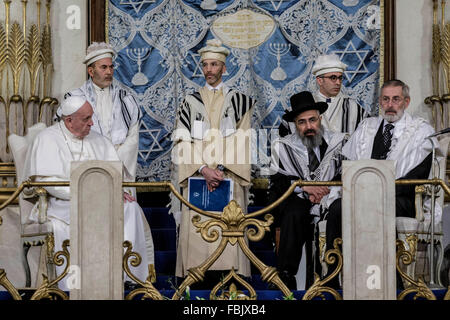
x=393 y=135
x=49 y=158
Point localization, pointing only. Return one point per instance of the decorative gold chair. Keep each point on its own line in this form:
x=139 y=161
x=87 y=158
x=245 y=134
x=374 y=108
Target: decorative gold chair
x=415 y=233
x=38 y=233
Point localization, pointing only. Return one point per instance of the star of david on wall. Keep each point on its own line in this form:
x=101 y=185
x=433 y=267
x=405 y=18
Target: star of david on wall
x=273 y=2
x=155 y=146
x=137 y=4
x=361 y=56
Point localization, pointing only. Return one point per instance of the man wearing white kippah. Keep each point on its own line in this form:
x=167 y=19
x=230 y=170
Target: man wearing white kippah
x=116 y=113
x=343 y=113
x=215 y=118
x=49 y=158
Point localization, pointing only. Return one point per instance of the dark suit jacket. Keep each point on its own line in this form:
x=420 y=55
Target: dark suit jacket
x=279 y=183
x=405 y=194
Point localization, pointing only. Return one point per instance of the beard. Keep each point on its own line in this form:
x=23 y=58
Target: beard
x=312 y=141
x=392 y=117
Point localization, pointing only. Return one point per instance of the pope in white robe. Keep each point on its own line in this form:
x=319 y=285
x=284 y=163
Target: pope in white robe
x=49 y=158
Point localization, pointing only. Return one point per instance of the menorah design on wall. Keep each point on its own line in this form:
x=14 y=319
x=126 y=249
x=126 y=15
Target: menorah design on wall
x=139 y=55
x=278 y=50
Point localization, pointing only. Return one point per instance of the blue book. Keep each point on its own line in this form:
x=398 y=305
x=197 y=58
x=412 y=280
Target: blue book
x=200 y=196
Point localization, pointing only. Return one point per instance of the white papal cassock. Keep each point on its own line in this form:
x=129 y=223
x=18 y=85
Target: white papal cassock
x=49 y=158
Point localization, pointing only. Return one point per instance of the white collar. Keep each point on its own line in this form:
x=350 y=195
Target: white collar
x=209 y=87
x=68 y=134
x=98 y=89
x=221 y=85
x=324 y=97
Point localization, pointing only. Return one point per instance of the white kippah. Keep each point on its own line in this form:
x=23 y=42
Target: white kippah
x=214 y=50
x=97 y=51
x=328 y=63
x=70 y=105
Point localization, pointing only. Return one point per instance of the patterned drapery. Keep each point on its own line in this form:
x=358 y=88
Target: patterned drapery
x=273 y=45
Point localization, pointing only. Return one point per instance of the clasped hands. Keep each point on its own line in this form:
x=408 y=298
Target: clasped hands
x=128 y=197
x=316 y=193
x=213 y=178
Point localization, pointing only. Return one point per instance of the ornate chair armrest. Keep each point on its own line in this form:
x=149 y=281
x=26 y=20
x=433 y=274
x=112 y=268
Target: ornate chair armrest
x=42 y=194
x=420 y=191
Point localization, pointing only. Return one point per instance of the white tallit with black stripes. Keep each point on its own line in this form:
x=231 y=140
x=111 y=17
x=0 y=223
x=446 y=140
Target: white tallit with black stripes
x=290 y=158
x=125 y=113
x=192 y=109
x=343 y=114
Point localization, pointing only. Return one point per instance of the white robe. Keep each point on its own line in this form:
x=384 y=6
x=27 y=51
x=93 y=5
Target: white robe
x=116 y=116
x=49 y=158
x=230 y=120
x=409 y=147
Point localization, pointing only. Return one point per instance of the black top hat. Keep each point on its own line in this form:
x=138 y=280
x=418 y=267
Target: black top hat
x=301 y=102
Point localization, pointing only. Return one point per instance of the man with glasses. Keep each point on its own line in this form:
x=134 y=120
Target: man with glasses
x=343 y=113
x=393 y=135
x=311 y=153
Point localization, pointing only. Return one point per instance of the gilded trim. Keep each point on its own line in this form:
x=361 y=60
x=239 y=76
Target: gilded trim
x=106 y=21
x=8 y=285
x=418 y=287
x=318 y=287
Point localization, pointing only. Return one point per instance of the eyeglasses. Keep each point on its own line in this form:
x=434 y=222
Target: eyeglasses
x=333 y=78
x=395 y=100
x=303 y=122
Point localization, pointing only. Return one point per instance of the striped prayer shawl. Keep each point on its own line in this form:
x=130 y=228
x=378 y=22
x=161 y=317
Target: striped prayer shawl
x=239 y=101
x=126 y=103
x=241 y=104
x=346 y=121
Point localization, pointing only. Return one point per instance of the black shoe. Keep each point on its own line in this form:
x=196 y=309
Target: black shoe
x=288 y=279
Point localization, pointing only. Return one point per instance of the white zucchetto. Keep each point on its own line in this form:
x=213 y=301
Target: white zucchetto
x=70 y=105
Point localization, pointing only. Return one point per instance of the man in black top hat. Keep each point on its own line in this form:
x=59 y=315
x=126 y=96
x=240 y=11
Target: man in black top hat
x=312 y=153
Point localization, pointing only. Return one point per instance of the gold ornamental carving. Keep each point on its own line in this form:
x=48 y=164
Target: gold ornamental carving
x=4 y=282
x=26 y=69
x=418 y=287
x=234 y=226
x=411 y=240
x=233 y=293
x=147 y=289
x=319 y=286
x=440 y=67
x=49 y=289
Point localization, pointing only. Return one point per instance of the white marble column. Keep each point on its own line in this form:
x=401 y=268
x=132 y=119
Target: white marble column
x=368 y=230
x=96 y=230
